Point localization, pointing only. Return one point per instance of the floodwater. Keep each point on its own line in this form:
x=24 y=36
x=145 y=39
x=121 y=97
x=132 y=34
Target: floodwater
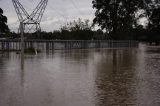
x=95 y=77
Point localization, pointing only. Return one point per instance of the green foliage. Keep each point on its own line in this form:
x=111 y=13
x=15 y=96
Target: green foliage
x=3 y=23
x=117 y=17
x=77 y=30
x=1 y=11
x=77 y=25
x=154 y=25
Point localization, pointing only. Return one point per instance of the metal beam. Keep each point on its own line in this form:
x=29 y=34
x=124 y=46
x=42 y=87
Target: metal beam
x=31 y=22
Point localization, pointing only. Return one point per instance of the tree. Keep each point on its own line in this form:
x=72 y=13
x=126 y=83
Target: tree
x=77 y=25
x=154 y=25
x=77 y=30
x=3 y=23
x=117 y=17
x=155 y=19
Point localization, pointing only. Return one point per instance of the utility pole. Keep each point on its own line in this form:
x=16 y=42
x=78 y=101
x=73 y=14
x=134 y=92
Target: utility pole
x=29 y=23
x=22 y=44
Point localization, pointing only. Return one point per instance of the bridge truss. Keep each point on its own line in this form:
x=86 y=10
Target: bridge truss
x=31 y=21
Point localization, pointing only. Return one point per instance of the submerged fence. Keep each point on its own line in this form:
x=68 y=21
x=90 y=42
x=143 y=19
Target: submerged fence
x=15 y=45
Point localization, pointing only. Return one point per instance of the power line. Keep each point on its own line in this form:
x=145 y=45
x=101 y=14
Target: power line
x=57 y=12
x=78 y=9
x=80 y=2
x=73 y=3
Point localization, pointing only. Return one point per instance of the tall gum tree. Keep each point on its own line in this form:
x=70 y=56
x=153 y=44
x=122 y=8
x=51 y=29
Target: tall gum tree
x=117 y=16
x=3 y=23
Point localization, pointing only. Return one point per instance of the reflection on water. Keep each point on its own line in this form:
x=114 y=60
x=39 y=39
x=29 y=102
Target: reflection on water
x=115 y=78
x=100 y=77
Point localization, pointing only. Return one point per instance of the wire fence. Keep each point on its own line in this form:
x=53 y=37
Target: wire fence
x=14 y=45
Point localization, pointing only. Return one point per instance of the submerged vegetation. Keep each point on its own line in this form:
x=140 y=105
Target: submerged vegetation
x=31 y=51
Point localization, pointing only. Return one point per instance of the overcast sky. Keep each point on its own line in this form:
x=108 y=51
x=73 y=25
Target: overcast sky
x=57 y=12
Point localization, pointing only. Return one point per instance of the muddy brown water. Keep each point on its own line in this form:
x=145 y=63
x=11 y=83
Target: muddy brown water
x=94 y=77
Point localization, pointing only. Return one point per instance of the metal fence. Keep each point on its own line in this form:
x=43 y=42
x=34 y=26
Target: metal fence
x=14 y=45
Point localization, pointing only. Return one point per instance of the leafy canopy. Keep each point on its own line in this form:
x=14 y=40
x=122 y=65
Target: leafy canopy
x=77 y=25
x=116 y=15
x=3 y=23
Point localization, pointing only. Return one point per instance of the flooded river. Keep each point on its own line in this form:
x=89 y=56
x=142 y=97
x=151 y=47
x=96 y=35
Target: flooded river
x=95 y=77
